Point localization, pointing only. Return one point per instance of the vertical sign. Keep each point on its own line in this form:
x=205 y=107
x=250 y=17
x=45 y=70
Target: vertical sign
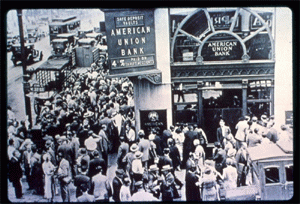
x=131 y=40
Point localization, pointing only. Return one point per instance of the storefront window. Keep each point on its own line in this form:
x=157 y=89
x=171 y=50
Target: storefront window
x=259 y=90
x=257 y=109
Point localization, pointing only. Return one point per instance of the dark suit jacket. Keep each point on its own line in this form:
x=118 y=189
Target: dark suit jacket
x=192 y=191
x=220 y=136
x=116 y=184
x=15 y=170
x=164 y=160
x=81 y=179
x=93 y=164
x=175 y=156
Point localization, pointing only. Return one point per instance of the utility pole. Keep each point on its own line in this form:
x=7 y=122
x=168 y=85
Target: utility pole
x=25 y=76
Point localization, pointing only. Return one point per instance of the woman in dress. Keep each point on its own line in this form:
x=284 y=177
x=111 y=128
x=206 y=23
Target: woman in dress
x=48 y=169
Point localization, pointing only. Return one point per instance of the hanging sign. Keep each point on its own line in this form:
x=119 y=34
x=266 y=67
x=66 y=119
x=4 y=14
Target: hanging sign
x=130 y=39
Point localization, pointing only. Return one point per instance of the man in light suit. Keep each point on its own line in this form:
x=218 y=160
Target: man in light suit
x=222 y=132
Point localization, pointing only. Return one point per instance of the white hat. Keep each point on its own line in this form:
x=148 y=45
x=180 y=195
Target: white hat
x=47 y=103
x=166 y=167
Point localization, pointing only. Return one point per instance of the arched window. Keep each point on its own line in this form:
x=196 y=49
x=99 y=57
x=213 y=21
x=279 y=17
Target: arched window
x=223 y=35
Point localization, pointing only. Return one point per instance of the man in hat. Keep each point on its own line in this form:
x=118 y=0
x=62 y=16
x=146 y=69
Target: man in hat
x=242 y=164
x=168 y=182
x=15 y=173
x=96 y=161
x=154 y=180
x=144 y=146
x=174 y=154
x=81 y=179
x=83 y=133
x=104 y=143
x=188 y=146
x=219 y=157
x=117 y=184
x=165 y=159
x=241 y=132
x=83 y=161
x=137 y=169
x=129 y=157
x=64 y=176
x=272 y=133
x=141 y=194
x=100 y=186
x=122 y=151
x=67 y=150
x=192 y=185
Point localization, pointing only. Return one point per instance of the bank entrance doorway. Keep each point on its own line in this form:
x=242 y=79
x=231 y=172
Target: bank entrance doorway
x=205 y=103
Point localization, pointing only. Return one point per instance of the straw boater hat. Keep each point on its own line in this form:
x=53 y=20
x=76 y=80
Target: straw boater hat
x=153 y=167
x=134 y=147
x=166 y=168
x=88 y=114
x=139 y=184
x=138 y=154
x=47 y=103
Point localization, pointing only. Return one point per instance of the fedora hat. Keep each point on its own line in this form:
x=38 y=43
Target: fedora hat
x=166 y=168
x=138 y=154
x=153 y=167
x=134 y=147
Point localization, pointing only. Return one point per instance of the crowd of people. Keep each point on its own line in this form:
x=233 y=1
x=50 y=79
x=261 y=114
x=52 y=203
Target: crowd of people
x=94 y=117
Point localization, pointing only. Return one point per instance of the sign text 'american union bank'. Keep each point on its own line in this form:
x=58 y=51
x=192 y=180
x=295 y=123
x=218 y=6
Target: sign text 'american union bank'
x=131 y=40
